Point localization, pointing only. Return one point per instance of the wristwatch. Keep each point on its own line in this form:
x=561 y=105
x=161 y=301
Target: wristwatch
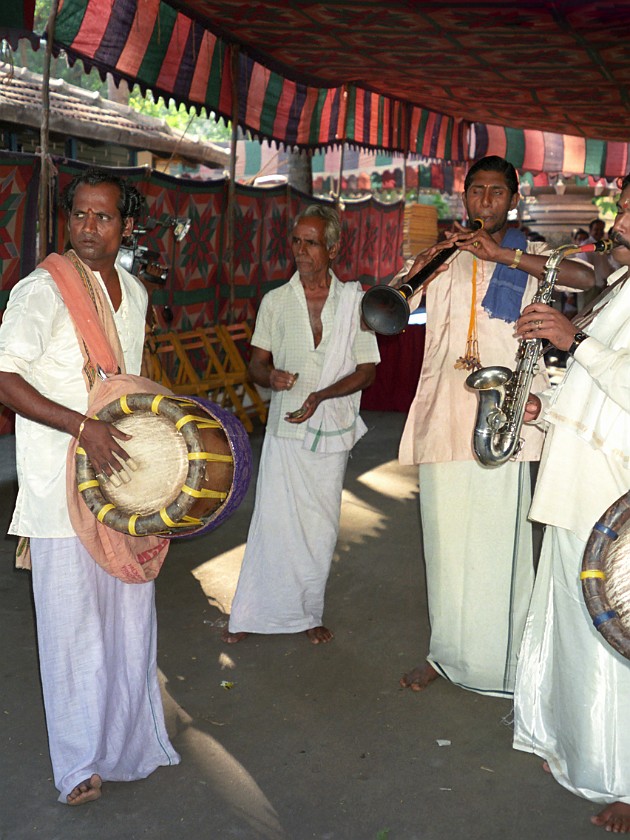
x=578 y=338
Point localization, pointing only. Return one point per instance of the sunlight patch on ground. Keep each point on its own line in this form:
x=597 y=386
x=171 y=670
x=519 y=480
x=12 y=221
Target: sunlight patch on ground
x=392 y=480
x=218 y=577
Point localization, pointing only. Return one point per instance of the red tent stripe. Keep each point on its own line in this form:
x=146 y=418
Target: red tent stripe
x=93 y=27
x=284 y=108
x=138 y=37
x=616 y=160
x=534 y=156
x=326 y=117
x=203 y=68
x=170 y=64
x=427 y=136
x=497 y=141
x=359 y=126
x=574 y=155
x=374 y=124
x=256 y=95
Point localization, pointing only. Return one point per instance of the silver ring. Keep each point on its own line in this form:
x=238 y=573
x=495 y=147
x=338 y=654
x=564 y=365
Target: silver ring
x=103 y=477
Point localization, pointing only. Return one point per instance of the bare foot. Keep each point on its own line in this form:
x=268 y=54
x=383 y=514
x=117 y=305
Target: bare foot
x=615 y=818
x=319 y=635
x=86 y=791
x=233 y=638
x=419 y=678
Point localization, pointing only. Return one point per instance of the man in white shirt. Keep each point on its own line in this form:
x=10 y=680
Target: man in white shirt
x=309 y=348
x=101 y=693
x=572 y=687
x=478 y=547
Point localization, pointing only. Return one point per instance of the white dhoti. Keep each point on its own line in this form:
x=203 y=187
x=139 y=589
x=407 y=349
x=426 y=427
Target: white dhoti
x=573 y=688
x=479 y=568
x=97 y=649
x=291 y=539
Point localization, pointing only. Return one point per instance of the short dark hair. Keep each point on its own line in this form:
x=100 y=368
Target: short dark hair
x=494 y=163
x=596 y=221
x=130 y=203
x=332 y=222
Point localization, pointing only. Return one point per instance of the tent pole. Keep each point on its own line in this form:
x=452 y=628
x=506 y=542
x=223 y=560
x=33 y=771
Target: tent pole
x=338 y=192
x=231 y=208
x=45 y=204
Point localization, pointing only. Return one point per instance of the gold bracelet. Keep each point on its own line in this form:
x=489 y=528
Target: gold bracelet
x=81 y=427
x=517 y=258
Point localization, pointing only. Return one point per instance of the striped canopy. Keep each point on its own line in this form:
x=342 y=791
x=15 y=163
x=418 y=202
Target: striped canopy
x=408 y=77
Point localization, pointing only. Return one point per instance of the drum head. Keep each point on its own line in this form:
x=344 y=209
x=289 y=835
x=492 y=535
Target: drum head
x=606 y=575
x=188 y=474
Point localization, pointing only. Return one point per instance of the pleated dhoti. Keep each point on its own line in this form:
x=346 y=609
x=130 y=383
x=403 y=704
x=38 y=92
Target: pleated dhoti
x=97 y=648
x=572 y=696
x=291 y=540
x=479 y=568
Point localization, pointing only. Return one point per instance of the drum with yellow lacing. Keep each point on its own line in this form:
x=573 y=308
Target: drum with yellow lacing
x=606 y=575
x=192 y=464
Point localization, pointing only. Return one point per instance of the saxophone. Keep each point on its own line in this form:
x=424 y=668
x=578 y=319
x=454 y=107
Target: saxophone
x=502 y=393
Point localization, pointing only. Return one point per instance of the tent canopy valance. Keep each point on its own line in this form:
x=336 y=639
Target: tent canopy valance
x=402 y=76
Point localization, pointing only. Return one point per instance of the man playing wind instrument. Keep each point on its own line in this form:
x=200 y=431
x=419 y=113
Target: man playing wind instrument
x=478 y=546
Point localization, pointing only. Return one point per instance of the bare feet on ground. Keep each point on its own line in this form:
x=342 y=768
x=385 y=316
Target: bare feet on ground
x=319 y=635
x=233 y=638
x=615 y=818
x=86 y=791
x=419 y=678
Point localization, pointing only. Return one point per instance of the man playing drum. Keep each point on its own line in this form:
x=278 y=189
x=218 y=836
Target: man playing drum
x=309 y=348
x=101 y=693
x=572 y=687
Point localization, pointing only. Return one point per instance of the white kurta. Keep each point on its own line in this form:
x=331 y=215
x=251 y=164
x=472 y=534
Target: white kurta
x=101 y=693
x=295 y=523
x=571 y=700
x=477 y=540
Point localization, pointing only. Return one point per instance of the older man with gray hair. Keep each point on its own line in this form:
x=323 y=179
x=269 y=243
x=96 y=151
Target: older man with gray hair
x=310 y=349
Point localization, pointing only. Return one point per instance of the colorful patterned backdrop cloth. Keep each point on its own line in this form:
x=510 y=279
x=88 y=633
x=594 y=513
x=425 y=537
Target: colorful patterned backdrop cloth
x=199 y=289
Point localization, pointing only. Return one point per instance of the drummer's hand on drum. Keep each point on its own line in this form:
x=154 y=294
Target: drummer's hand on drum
x=282 y=380
x=109 y=460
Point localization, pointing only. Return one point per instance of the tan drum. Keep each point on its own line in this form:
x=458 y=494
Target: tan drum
x=193 y=466
x=606 y=575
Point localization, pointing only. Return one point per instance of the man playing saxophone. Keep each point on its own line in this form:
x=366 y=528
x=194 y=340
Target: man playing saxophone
x=572 y=687
x=477 y=542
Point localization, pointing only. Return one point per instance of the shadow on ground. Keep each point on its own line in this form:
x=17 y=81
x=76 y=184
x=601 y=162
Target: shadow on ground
x=309 y=742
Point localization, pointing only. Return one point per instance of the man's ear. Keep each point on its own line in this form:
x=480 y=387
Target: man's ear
x=127 y=228
x=333 y=252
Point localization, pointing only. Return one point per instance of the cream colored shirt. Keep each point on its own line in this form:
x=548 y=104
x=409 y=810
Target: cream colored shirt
x=442 y=416
x=38 y=341
x=283 y=328
x=585 y=462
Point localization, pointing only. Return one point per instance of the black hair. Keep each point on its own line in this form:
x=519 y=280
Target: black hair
x=130 y=203
x=625 y=182
x=494 y=163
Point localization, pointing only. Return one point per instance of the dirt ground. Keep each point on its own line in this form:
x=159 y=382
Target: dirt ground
x=309 y=742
